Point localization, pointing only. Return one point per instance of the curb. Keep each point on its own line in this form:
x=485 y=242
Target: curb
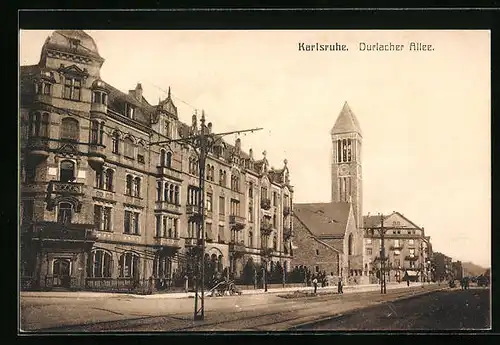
x=352 y=311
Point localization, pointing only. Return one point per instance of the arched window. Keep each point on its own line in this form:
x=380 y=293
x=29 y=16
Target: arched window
x=109 y=180
x=67 y=171
x=165 y=193
x=171 y=197
x=220 y=177
x=129 y=148
x=129 y=265
x=177 y=198
x=100 y=264
x=45 y=125
x=158 y=191
x=64 y=213
x=137 y=187
x=128 y=186
x=350 y=245
x=70 y=129
x=115 y=142
x=162 y=158
x=169 y=160
x=101 y=133
x=224 y=179
x=212 y=173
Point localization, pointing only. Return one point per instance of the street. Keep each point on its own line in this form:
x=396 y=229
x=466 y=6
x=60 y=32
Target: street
x=261 y=312
x=441 y=310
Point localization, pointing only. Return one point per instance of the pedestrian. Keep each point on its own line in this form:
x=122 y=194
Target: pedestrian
x=407 y=282
x=315 y=283
x=339 y=287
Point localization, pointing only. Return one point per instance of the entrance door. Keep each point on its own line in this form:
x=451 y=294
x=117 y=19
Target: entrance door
x=61 y=273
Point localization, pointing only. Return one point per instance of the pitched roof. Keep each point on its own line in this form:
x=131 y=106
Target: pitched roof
x=346 y=122
x=374 y=221
x=324 y=219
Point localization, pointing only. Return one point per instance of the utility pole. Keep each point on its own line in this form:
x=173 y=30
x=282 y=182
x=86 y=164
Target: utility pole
x=201 y=142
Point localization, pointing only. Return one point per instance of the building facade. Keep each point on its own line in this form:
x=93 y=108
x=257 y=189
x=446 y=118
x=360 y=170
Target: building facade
x=407 y=250
x=102 y=206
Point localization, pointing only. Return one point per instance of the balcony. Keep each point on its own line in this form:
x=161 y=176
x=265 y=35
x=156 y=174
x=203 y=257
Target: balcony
x=236 y=222
x=286 y=211
x=237 y=247
x=266 y=228
x=190 y=242
x=265 y=204
x=167 y=242
x=38 y=148
x=164 y=171
x=166 y=206
x=65 y=188
x=70 y=233
x=98 y=108
x=96 y=156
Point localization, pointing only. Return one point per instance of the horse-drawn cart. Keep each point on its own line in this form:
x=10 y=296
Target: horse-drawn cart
x=224 y=287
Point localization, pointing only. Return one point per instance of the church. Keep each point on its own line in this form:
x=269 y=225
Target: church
x=329 y=236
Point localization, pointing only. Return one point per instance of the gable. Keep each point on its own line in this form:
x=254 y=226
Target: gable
x=398 y=220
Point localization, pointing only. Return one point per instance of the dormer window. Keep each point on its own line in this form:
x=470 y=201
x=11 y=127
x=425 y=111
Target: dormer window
x=72 y=88
x=74 y=43
x=129 y=111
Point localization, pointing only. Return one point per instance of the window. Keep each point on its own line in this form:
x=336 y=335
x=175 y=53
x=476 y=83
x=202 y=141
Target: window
x=168 y=162
x=397 y=252
x=275 y=223
x=177 y=196
x=158 y=226
x=99 y=98
x=162 y=158
x=412 y=252
x=263 y=193
x=137 y=187
x=369 y=251
x=43 y=88
x=221 y=177
x=209 y=202
x=108 y=180
x=128 y=185
x=222 y=204
x=99 y=180
x=38 y=125
x=129 y=148
x=224 y=179
x=67 y=171
x=115 y=142
x=140 y=154
x=368 y=241
x=167 y=129
x=208 y=232
x=250 y=190
x=250 y=239
x=102 y=218
x=250 y=213
x=70 y=130
x=65 y=213
x=94 y=132
x=193 y=195
x=220 y=235
x=72 y=87
x=396 y=243
x=129 y=265
x=131 y=223
x=411 y=242
x=235 y=207
x=275 y=199
x=129 y=111
x=350 y=245
x=99 y=264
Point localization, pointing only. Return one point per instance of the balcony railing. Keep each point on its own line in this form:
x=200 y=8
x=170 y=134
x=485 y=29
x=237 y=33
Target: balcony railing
x=99 y=108
x=168 y=172
x=163 y=205
x=265 y=204
x=236 y=222
x=167 y=242
x=190 y=242
x=66 y=188
x=237 y=246
x=286 y=211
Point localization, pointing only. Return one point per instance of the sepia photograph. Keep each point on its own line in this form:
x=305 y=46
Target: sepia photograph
x=254 y=181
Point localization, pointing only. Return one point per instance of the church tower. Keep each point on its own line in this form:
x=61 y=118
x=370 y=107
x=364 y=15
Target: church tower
x=346 y=163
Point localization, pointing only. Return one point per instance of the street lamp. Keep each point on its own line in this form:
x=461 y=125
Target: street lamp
x=202 y=141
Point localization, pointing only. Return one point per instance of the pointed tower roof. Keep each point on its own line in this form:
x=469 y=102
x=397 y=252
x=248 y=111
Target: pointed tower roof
x=346 y=122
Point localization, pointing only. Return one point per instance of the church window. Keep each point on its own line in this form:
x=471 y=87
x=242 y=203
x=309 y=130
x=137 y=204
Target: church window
x=350 y=245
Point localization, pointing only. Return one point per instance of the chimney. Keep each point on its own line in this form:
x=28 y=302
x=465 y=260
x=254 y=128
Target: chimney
x=209 y=126
x=250 y=153
x=238 y=145
x=138 y=92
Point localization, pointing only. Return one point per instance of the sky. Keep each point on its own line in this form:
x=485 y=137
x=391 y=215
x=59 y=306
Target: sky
x=425 y=115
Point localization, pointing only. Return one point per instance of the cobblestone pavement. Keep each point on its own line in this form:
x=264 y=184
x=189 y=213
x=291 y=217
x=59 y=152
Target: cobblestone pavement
x=443 y=310
x=230 y=313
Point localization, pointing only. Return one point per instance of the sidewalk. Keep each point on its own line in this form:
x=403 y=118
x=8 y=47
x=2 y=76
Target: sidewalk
x=177 y=295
